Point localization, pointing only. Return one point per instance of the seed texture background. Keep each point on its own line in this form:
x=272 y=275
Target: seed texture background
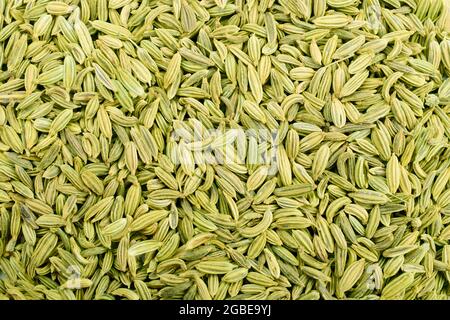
x=219 y=149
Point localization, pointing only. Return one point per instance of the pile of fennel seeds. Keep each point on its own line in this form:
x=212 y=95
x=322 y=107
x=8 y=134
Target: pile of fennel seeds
x=291 y=149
